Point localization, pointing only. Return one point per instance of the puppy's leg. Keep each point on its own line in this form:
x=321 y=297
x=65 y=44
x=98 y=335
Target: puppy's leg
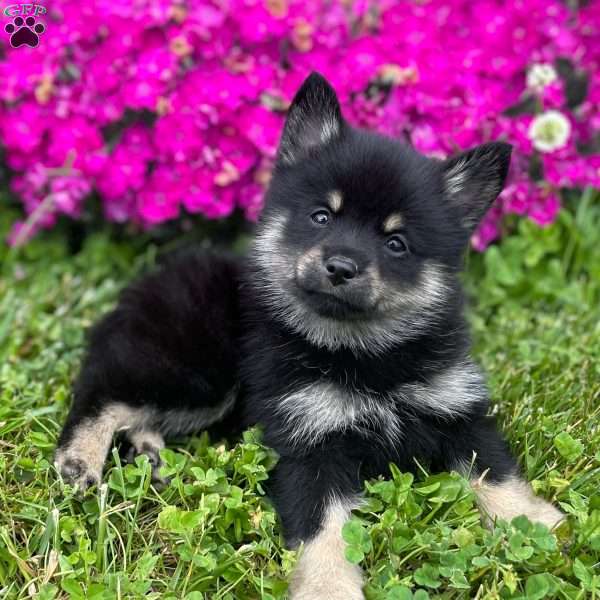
x=314 y=501
x=494 y=474
x=86 y=439
x=162 y=360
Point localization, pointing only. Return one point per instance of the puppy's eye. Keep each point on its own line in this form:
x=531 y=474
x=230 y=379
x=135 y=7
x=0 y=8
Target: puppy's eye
x=397 y=245
x=320 y=217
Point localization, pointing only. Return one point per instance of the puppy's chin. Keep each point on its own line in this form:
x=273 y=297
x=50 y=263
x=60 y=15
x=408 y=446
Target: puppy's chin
x=339 y=307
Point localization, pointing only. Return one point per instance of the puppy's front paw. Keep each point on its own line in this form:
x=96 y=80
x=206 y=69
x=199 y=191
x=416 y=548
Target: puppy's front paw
x=75 y=471
x=327 y=589
x=322 y=571
x=325 y=574
x=514 y=497
x=547 y=514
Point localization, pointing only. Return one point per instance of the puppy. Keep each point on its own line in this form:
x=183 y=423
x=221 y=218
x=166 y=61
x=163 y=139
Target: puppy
x=342 y=334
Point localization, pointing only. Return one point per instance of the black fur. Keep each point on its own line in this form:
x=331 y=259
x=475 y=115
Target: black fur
x=185 y=336
x=171 y=343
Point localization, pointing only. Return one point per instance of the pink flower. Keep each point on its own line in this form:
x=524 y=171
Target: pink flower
x=158 y=106
x=487 y=232
x=160 y=199
x=262 y=127
x=68 y=193
x=179 y=136
x=71 y=140
x=544 y=207
x=553 y=95
x=516 y=198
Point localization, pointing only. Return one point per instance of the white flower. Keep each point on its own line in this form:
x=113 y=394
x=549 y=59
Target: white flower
x=541 y=75
x=549 y=131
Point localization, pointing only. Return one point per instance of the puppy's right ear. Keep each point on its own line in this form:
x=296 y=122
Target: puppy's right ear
x=314 y=119
x=473 y=179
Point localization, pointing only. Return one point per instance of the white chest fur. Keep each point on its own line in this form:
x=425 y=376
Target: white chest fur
x=312 y=411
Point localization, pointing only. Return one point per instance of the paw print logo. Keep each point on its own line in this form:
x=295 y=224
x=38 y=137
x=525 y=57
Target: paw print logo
x=24 y=32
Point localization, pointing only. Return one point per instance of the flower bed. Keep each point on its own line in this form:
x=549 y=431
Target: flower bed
x=162 y=109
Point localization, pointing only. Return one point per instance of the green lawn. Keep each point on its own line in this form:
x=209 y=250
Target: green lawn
x=211 y=534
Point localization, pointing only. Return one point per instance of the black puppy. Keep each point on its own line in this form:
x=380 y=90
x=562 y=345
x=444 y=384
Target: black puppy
x=343 y=335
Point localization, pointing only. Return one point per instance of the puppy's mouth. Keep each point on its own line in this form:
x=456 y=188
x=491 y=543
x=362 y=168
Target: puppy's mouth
x=331 y=305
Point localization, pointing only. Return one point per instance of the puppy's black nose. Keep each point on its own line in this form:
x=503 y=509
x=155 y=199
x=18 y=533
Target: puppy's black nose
x=340 y=269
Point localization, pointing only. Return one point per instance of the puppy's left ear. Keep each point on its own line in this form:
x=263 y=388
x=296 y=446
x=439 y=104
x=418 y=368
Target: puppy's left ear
x=314 y=120
x=473 y=179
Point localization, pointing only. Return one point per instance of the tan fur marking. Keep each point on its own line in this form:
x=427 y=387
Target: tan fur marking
x=512 y=498
x=82 y=458
x=309 y=260
x=92 y=438
x=393 y=222
x=335 y=201
x=377 y=285
x=322 y=571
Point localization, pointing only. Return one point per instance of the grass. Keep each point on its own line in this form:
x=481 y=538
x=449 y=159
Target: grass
x=211 y=534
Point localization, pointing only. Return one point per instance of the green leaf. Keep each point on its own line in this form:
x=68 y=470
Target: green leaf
x=462 y=537
x=354 y=554
x=399 y=592
x=522 y=524
x=510 y=580
x=177 y=520
x=450 y=489
x=537 y=587
x=47 y=591
x=384 y=489
x=426 y=489
x=72 y=587
x=427 y=575
x=568 y=447
x=352 y=532
x=582 y=573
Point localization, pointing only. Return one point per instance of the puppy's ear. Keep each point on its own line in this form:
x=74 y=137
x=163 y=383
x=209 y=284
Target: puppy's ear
x=473 y=179
x=313 y=120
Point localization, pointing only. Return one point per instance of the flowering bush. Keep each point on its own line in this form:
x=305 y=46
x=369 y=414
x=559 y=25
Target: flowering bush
x=161 y=107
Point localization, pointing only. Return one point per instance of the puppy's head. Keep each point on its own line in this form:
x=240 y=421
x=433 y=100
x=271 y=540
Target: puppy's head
x=361 y=237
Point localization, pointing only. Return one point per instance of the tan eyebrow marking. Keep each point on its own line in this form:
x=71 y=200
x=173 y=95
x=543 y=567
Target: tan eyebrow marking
x=393 y=222
x=335 y=201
